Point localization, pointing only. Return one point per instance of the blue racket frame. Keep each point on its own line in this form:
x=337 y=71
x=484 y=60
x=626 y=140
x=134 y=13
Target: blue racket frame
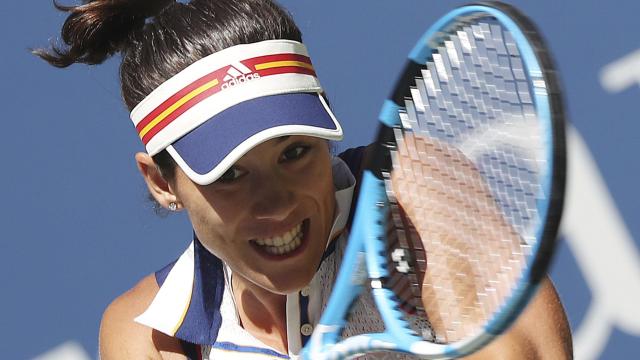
x=364 y=262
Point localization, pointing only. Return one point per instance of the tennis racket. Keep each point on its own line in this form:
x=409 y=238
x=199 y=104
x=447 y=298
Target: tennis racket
x=461 y=196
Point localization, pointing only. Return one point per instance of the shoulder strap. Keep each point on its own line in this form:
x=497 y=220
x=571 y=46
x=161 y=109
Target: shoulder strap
x=354 y=158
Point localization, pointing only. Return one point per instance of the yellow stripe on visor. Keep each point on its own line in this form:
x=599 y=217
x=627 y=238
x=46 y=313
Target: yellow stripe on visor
x=178 y=103
x=275 y=64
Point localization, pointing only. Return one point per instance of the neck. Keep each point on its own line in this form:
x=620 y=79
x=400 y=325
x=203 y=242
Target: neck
x=262 y=313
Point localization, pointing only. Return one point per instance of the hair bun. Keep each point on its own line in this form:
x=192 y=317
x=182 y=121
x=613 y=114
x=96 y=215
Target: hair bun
x=97 y=29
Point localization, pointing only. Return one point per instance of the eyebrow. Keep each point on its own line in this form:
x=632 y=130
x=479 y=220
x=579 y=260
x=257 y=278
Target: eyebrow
x=282 y=139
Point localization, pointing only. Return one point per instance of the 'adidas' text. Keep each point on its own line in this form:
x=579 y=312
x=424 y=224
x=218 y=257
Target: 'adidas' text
x=240 y=79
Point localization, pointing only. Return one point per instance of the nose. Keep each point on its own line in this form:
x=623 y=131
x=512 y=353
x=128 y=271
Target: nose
x=272 y=199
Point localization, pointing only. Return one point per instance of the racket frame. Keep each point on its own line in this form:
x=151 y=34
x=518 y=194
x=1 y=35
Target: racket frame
x=364 y=262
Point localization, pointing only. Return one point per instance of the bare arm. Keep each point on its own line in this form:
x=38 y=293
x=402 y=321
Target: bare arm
x=122 y=338
x=541 y=331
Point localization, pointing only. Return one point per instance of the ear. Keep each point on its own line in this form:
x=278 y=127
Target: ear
x=159 y=188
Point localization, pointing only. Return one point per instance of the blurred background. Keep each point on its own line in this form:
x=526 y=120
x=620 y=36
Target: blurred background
x=77 y=228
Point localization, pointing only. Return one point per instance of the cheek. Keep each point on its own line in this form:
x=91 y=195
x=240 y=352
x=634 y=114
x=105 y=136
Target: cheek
x=318 y=183
x=215 y=234
x=212 y=216
x=206 y=223
x=206 y=205
x=221 y=209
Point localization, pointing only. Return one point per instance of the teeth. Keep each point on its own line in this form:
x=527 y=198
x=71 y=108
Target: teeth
x=281 y=240
x=282 y=244
x=275 y=250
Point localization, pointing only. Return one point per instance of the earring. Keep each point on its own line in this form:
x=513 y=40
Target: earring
x=173 y=206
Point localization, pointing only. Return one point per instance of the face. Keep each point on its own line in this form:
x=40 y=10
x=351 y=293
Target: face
x=269 y=216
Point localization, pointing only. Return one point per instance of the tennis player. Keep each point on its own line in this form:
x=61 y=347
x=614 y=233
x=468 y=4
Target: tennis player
x=236 y=129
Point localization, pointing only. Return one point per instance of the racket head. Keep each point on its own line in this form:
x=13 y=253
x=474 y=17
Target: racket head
x=460 y=187
x=477 y=115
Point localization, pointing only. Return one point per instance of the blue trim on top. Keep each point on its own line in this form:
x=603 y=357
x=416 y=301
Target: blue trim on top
x=229 y=346
x=304 y=315
x=203 y=319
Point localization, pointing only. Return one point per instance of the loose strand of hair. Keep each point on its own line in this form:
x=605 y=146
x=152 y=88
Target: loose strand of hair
x=98 y=29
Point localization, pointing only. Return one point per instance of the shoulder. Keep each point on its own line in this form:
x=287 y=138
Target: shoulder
x=354 y=158
x=122 y=338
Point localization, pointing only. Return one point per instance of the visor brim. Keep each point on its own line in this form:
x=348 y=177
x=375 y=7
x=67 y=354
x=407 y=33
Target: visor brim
x=208 y=151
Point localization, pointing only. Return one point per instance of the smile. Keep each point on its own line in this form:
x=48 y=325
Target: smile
x=284 y=243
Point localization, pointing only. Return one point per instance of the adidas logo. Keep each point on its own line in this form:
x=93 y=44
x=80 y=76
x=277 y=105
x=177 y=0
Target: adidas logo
x=237 y=74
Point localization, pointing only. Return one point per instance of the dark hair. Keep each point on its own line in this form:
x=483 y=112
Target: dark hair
x=159 y=38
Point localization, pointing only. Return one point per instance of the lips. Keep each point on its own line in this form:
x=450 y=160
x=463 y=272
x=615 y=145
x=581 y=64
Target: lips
x=284 y=244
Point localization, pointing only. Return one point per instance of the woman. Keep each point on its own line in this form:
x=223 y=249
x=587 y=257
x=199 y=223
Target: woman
x=224 y=97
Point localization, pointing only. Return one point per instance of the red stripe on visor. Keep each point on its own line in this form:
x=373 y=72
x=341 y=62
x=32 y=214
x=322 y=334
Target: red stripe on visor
x=219 y=80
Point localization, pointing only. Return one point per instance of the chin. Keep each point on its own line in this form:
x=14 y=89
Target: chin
x=292 y=284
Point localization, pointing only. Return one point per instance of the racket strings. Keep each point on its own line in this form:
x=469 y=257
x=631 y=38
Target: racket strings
x=408 y=264
x=472 y=252
x=465 y=182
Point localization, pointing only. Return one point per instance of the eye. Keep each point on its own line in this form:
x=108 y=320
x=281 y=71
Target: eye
x=231 y=175
x=294 y=152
